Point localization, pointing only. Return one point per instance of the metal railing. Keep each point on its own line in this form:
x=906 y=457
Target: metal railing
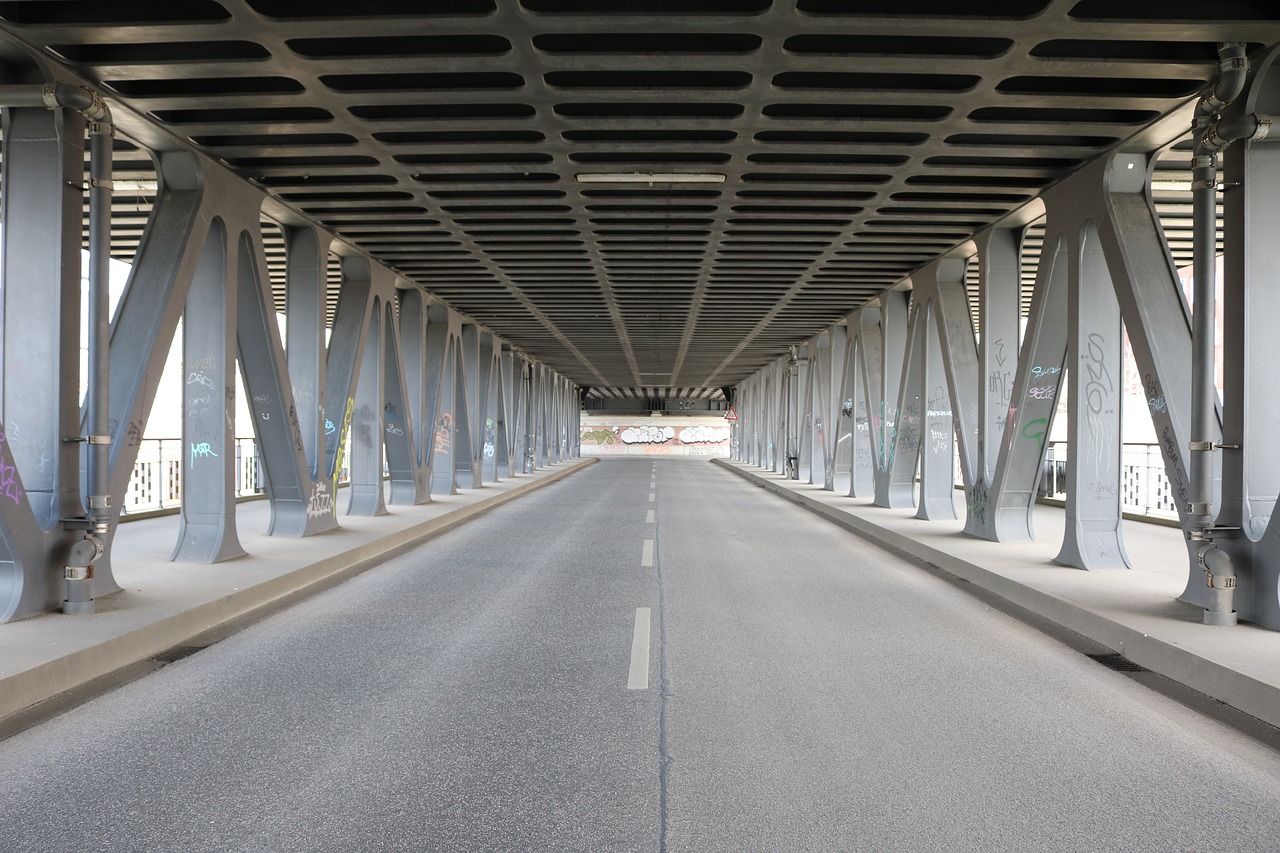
x=1143 y=486
x=156 y=483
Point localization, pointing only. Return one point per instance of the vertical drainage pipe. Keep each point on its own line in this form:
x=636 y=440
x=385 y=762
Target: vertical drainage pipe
x=98 y=400
x=1232 y=70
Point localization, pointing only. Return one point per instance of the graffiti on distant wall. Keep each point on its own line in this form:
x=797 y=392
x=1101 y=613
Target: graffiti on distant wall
x=681 y=440
x=654 y=435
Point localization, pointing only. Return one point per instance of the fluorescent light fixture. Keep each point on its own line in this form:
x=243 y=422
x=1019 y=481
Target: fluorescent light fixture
x=650 y=178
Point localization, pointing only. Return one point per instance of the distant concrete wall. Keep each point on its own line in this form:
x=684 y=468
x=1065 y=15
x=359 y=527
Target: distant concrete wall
x=604 y=435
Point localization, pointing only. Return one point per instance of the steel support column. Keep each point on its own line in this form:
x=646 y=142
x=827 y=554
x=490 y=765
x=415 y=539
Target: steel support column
x=306 y=263
x=343 y=363
x=469 y=423
x=487 y=409
x=1092 y=538
x=410 y=483
x=1035 y=396
x=999 y=276
x=896 y=489
x=207 y=530
x=441 y=400
x=298 y=508
x=937 y=430
x=862 y=479
x=837 y=426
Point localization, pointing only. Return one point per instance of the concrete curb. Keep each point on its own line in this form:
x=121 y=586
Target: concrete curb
x=21 y=690
x=1257 y=698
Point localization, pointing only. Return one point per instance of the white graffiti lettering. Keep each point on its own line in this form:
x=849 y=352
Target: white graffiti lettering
x=647 y=435
x=321 y=502
x=196 y=377
x=704 y=435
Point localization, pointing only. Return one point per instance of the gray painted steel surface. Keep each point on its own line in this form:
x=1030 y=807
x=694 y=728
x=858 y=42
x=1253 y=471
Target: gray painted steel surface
x=652 y=201
x=855 y=142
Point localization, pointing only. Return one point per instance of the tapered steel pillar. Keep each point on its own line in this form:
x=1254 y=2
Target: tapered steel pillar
x=366 y=496
x=306 y=273
x=470 y=422
x=410 y=483
x=207 y=530
x=1093 y=537
x=937 y=432
x=1035 y=397
x=299 y=502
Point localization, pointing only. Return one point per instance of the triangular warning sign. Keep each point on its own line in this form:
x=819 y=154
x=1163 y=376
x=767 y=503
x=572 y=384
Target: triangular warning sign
x=731 y=415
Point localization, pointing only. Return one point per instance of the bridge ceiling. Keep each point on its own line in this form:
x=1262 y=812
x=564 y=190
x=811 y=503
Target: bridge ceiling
x=648 y=194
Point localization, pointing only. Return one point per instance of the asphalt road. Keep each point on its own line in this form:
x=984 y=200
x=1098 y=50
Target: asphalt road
x=801 y=691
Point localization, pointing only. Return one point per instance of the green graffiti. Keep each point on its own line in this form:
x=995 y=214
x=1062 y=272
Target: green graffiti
x=1030 y=432
x=597 y=436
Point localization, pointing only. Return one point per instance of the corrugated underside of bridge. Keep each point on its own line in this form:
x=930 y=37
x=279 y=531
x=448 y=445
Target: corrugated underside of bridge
x=652 y=197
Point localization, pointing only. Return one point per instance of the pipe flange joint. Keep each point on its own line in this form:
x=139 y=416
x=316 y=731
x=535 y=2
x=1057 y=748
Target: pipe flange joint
x=1213 y=140
x=97 y=109
x=1264 y=129
x=1200 y=555
x=49 y=95
x=1212 y=103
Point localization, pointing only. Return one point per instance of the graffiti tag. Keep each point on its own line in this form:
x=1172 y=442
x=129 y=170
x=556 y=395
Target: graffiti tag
x=201 y=450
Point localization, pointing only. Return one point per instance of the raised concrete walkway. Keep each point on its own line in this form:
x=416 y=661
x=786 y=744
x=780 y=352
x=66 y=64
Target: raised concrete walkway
x=167 y=604
x=1133 y=612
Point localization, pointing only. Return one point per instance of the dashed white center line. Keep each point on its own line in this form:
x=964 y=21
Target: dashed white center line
x=648 y=519
x=646 y=557
x=638 y=676
x=653 y=496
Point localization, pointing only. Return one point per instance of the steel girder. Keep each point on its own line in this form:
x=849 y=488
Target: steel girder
x=406 y=377
x=914 y=361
